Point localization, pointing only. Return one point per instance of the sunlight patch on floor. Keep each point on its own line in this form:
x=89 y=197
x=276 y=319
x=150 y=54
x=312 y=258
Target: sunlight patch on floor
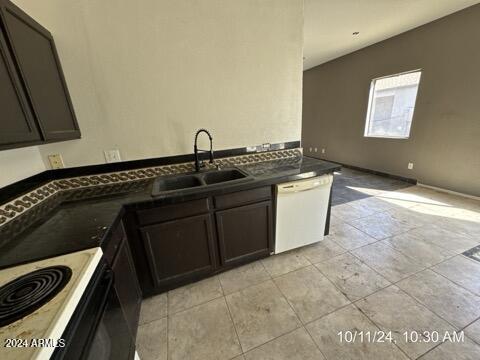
x=424 y=202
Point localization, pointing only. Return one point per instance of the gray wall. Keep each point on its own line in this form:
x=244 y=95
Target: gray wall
x=444 y=142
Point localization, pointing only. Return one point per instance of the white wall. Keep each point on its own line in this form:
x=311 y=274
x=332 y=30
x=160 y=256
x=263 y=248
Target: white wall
x=18 y=164
x=144 y=75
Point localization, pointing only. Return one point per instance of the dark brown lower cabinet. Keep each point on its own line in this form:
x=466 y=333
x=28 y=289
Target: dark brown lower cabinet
x=126 y=285
x=244 y=232
x=180 y=250
x=116 y=250
x=179 y=243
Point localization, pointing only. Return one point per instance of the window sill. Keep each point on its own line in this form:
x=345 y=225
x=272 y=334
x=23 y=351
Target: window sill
x=387 y=137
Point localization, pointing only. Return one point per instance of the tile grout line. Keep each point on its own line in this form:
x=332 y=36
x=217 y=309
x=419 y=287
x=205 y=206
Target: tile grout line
x=341 y=290
x=428 y=267
x=394 y=283
x=306 y=323
x=272 y=280
x=413 y=274
x=351 y=302
x=356 y=218
x=406 y=255
x=231 y=318
x=438 y=273
x=354 y=303
x=470 y=323
x=298 y=316
x=328 y=313
x=273 y=339
x=194 y=306
x=288 y=302
x=276 y=337
x=379 y=328
x=314 y=342
x=423 y=305
x=200 y=303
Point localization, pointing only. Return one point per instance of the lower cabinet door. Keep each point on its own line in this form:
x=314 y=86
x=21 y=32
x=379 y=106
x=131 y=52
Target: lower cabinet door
x=245 y=233
x=126 y=286
x=179 y=251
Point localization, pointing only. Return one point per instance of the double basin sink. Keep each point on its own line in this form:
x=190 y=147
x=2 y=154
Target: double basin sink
x=194 y=181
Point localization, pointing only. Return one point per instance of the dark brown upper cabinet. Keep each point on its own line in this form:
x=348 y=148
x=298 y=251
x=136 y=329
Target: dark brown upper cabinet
x=17 y=125
x=36 y=74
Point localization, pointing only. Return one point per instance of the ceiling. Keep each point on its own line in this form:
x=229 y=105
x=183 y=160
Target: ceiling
x=329 y=24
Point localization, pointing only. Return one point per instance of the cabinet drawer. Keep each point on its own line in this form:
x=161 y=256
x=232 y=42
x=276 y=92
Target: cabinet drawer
x=174 y=211
x=243 y=197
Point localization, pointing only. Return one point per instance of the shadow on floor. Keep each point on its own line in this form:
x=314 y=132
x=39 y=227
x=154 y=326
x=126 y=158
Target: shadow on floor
x=350 y=185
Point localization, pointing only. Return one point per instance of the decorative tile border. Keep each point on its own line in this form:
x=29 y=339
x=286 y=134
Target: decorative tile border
x=16 y=207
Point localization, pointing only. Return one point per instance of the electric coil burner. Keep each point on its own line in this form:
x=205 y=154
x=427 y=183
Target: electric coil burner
x=27 y=293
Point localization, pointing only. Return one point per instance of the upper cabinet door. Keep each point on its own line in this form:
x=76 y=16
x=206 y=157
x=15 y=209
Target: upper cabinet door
x=34 y=52
x=16 y=121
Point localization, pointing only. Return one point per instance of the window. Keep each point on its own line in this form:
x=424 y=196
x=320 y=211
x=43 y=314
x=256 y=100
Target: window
x=391 y=105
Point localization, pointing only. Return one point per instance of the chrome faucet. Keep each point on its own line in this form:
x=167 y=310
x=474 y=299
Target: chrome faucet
x=198 y=163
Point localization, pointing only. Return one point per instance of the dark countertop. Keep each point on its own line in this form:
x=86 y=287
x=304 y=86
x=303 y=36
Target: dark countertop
x=81 y=224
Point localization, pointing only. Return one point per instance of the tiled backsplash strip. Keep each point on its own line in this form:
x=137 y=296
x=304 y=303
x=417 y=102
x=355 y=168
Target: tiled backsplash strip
x=16 y=207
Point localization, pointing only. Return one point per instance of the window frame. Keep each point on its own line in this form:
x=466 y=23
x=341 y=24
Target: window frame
x=370 y=106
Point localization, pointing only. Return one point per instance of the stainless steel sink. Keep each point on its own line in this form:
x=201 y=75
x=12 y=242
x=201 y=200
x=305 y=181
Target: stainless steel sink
x=219 y=176
x=194 y=181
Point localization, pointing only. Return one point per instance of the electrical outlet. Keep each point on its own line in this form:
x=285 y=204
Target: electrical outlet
x=323 y=151
x=410 y=166
x=316 y=149
x=56 y=161
x=251 y=148
x=310 y=150
x=266 y=146
x=112 y=156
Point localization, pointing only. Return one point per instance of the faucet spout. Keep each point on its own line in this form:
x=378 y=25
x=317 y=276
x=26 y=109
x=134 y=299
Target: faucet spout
x=196 y=150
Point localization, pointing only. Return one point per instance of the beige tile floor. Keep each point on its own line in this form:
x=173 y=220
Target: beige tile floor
x=392 y=262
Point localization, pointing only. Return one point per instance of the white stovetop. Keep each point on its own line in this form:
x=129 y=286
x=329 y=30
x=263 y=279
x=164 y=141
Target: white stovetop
x=50 y=320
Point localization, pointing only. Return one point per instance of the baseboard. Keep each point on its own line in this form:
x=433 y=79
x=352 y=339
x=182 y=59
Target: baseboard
x=375 y=172
x=449 y=191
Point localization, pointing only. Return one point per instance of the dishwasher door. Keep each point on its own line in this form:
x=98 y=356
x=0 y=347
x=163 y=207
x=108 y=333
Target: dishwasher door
x=301 y=212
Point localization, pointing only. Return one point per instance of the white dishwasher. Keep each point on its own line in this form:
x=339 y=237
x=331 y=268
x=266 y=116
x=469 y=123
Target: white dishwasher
x=302 y=207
